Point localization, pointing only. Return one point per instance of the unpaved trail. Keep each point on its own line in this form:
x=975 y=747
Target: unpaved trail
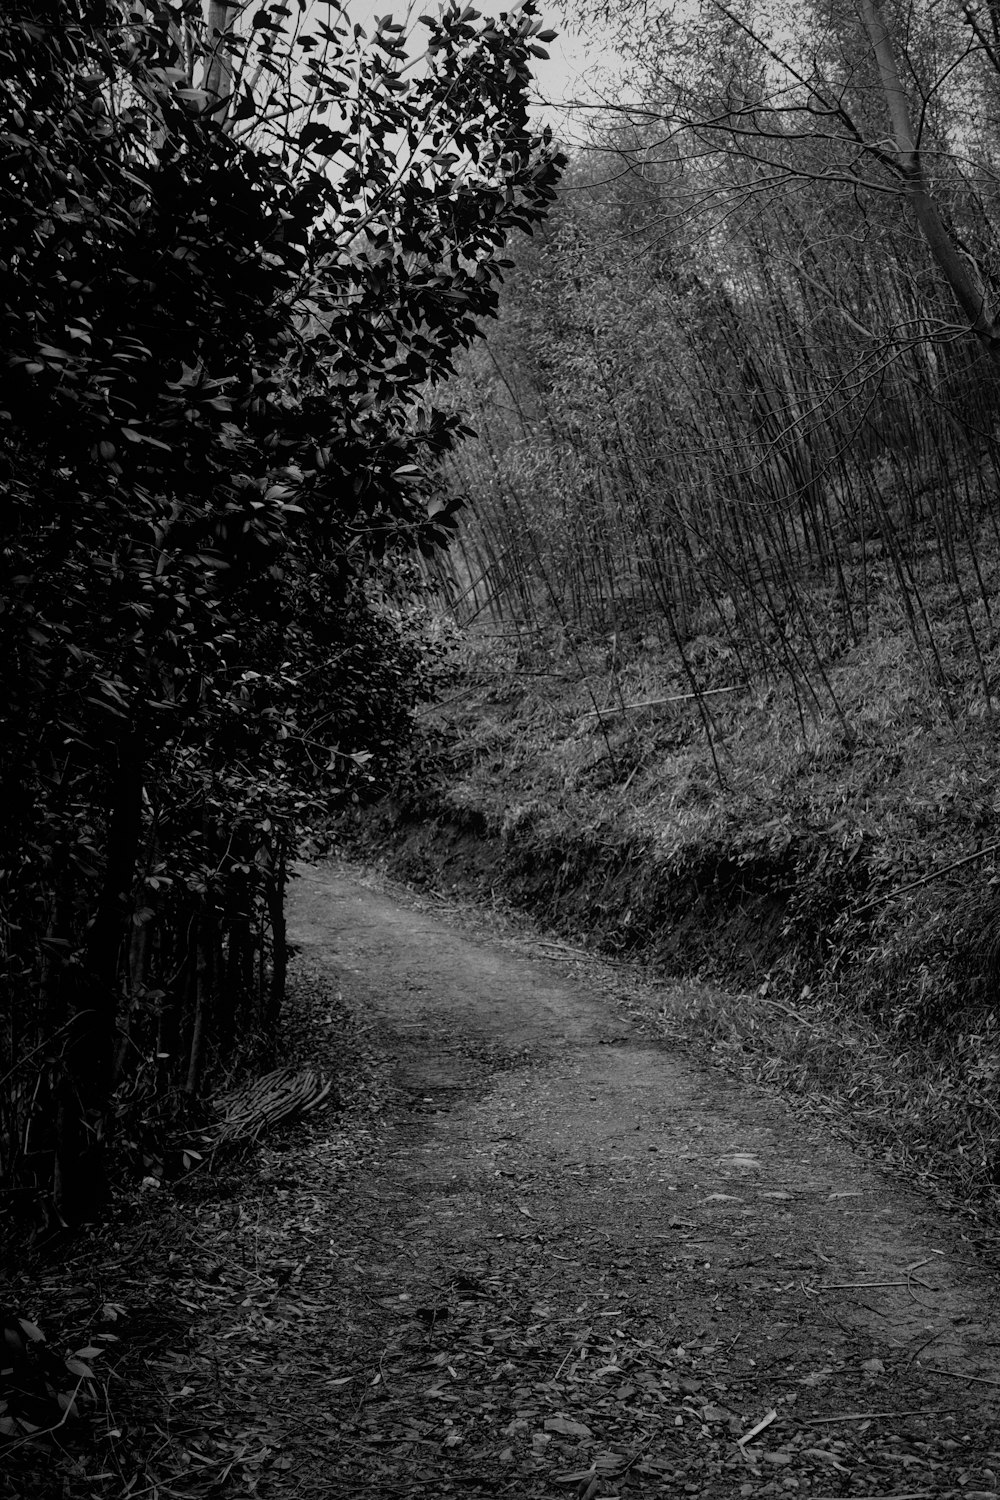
x=581 y=1264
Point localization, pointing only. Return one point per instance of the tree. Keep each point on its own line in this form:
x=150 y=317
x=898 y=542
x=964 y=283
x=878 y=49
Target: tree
x=224 y=330
x=754 y=373
x=886 y=100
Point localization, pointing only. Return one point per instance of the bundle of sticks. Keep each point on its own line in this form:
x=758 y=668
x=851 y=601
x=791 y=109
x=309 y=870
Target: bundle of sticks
x=257 y=1105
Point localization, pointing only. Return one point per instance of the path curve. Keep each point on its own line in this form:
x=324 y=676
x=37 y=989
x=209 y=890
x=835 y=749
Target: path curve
x=582 y=1264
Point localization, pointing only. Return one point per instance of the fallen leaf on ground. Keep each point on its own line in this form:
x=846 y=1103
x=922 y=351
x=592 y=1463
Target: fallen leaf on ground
x=567 y=1427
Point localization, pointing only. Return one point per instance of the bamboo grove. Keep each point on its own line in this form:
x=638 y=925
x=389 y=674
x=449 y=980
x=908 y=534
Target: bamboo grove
x=737 y=393
x=230 y=296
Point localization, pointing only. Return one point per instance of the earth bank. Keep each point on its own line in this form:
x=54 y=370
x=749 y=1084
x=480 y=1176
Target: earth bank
x=880 y=1008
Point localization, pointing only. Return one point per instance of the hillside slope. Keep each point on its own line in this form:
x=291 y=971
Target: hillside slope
x=837 y=871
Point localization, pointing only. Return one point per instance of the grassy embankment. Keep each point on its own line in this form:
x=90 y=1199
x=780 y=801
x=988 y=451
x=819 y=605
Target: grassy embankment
x=807 y=872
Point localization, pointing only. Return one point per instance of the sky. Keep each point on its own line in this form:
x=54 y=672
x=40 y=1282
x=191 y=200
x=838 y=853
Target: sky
x=572 y=58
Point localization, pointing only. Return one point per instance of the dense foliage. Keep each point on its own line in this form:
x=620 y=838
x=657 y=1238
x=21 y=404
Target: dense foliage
x=740 y=365
x=235 y=266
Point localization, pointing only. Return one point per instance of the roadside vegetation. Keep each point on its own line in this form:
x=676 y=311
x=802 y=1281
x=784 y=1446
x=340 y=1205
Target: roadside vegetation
x=728 y=695
x=229 y=303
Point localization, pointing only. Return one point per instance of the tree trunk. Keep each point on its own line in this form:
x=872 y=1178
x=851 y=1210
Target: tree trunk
x=80 y=1184
x=277 y=879
x=218 y=68
x=204 y=937
x=961 y=272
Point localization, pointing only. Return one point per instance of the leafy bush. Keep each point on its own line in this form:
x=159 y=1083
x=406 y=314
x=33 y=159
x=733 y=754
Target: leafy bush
x=226 y=309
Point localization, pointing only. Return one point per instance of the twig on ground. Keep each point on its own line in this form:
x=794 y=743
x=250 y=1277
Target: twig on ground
x=787 y=1010
x=878 y=1416
x=211 y=1463
x=900 y=890
x=634 y=1459
x=765 y=1421
x=216 y=1254
x=925 y=1345
x=624 y=708
x=562 y=948
x=866 y=1286
x=959 y=1375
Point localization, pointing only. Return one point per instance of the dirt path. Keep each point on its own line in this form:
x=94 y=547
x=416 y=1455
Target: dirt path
x=578 y=1264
